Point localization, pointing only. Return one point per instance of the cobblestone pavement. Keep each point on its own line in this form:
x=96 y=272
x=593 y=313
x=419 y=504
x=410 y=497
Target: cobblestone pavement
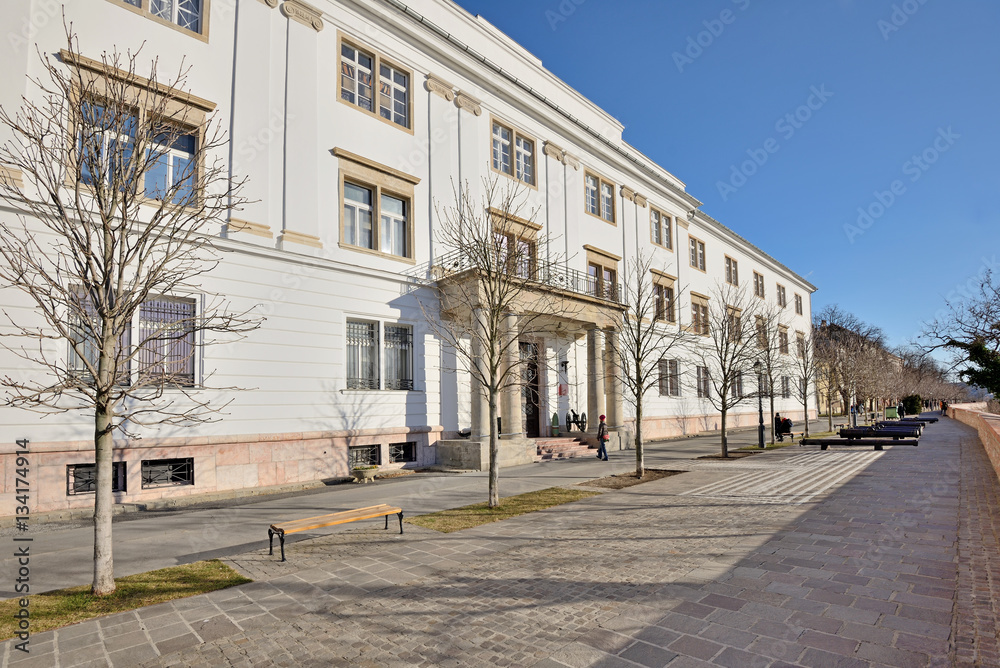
x=893 y=562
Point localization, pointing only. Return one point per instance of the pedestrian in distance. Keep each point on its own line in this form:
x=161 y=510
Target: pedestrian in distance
x=602 y=440
x=777 y=427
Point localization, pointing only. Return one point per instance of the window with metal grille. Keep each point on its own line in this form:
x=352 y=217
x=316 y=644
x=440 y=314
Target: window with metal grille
x=82 y=478
x=403 y=452
x=84 y=349
x=167 y=472
x=166 y=340
x=670 y=378
x=362 y=355
x=364 y=455
x=398 y=357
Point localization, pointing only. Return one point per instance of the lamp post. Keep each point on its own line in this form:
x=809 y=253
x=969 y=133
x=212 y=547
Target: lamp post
x=760 y=407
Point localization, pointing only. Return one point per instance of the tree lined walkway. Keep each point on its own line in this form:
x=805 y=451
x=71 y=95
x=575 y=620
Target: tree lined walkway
x=878 y=570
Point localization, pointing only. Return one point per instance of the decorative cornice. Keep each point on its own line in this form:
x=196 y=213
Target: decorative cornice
x=133 y=79
x=571 y=161
x=257 y=229
x=628 y=193
x=307 y=15
x=469 y=103
x=300 y=238
x=554 y=151
x=663 y=275
x=270 y=3
x=641 y=200
x=500 y=214
x=371 y=164
x=440 y=87
x=603 y=253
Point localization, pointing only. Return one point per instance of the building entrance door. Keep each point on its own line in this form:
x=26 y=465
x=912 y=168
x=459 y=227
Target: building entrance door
x=530 y=409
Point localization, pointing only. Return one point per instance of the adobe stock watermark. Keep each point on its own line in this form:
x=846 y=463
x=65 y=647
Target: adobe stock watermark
x=565 y=9
x=914 y=168
x=786 y=126
x=696 y=44
x=42 y=12
x=899 y=17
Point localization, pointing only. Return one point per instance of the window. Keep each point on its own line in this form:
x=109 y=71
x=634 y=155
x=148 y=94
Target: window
x=105 y=142
x=600 y=197
x=186 y=14
x=363 y=455
x=517 y=254
x=393 y=98
x=659 y=229
x=786 y=387
x=513 y=153
x=663 y=295
x=402 y=452
x=798 y=304
x=699 y=315
x=357 y=86
x=166 y=340
x=735 y=323
x=732 y=271
x=167 y=472
x=703 y=382
x=602 y=282
x=802 y=387
x=359 y=214
x=83 y=346
x=82 y=478
x=782 y=299
x=761 y=330
x=800 y=345
x=670 y=378
x=398 y=357
x=758 y=284
x=697 y=252
x=783 y=340
x=362 y=355
x=738 y=385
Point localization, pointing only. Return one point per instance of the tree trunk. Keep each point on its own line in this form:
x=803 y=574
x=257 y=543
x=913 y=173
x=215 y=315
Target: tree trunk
x=494 y=453
x=805 y=412
x=104 y=574
x=829 y=407
x=770 y=399
x=640 y=465
x=725 y=441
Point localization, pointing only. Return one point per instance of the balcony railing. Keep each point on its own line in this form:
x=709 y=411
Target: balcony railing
x=545 y=274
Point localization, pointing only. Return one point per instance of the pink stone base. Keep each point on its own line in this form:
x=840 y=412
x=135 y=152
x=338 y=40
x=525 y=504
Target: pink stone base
x=235 y=462
x=987 y=424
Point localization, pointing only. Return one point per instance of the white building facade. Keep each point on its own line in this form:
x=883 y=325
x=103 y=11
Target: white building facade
x=353 y=120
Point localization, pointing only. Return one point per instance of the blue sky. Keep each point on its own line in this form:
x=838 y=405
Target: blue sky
x=904 y=125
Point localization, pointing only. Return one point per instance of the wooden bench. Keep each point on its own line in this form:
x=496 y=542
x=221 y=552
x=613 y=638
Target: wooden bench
x=330 y=520
x=877 y=443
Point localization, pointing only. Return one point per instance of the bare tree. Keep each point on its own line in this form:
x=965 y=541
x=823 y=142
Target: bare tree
x=771 y=339
x=727 y=350
x=486 y=296
x=848 y=345
x=121 y=189
x=648 y=331
x=805 y=363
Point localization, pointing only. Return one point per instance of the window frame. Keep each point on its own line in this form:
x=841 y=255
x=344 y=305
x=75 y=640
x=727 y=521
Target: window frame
x=781 y=295
x=799 y=305
x=732 y=271
x=759 y=287
x=378 y=59
x=665 y=224
x=605 y=263
x=179 y=461
x=119 y=478
x=381 y=181
x=143 y=9
x=380 y=355
x=800 y=345
x=700 y=323
x=516 y=135
x=602 y=183
x=696 y=254
x=670 y=377
x=786 y=387
x=353 y=461
x=191 y=358
x=402 y=447
x=703 y=382
x=783 y=342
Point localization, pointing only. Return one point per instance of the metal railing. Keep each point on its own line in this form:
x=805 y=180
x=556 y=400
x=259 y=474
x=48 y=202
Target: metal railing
x=546 y=274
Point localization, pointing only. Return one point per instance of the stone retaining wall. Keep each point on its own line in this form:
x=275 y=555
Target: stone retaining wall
x=987 y=424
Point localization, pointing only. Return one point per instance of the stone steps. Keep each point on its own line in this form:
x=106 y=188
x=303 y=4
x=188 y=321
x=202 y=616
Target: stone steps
x=551 y=449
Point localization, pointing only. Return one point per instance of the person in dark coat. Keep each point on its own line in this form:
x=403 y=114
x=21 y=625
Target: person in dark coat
x=602 y=440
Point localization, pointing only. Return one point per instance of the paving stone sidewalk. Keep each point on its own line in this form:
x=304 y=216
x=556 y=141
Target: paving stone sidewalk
x=896 y=565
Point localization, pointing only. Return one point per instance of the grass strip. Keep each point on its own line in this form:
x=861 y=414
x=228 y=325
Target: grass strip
x=63 y=607
x=466 y=517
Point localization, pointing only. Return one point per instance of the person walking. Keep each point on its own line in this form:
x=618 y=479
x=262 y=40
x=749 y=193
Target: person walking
x=602 y=440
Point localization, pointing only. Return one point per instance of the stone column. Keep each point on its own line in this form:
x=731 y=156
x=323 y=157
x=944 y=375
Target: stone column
x=615 y=412
x=480 y=402
x=511 y=419
x=595 y=378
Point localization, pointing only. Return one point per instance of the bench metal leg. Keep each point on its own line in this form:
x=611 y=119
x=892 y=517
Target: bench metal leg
x=386 y=521
x=878 y=447
x=824 y=447
x=400 y=513
x=270 y=541
x=281 y=538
